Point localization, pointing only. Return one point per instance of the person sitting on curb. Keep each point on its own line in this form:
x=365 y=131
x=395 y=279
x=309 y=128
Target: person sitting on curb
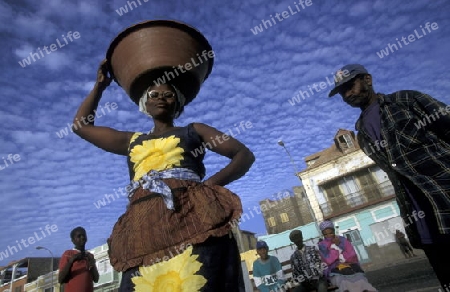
x=344 y=269
x=267 y=270
x=307 y=266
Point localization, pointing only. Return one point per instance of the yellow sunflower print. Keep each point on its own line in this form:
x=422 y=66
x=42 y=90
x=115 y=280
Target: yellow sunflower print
x=174 y=275
x=156 y=154
x=135 y=136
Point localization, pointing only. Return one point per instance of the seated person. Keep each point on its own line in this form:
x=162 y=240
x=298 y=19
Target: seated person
x=267 y=270
x=344 y=270
x=307 y=266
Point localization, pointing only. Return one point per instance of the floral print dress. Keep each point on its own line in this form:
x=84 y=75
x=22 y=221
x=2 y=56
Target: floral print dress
x=175 y=233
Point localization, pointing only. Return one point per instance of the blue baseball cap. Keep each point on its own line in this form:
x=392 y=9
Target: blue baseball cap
x=345 y=74
x=261 y=244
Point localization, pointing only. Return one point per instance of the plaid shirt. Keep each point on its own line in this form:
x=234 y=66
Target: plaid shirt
x=416 y=133
x=306 y=263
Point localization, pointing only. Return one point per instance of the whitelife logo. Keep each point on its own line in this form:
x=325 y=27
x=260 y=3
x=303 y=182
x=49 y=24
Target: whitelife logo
x=225 y=137
x=302 y=95
x=98 y=113
x=40 y=53
x=11 y=158
x=37 y=236
x=169 y=75
x=411 y=38
x=284 y=15
x=124 y=9
x=428 y=119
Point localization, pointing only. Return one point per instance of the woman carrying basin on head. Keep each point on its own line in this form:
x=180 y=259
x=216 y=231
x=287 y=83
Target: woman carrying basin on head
x=173 y=215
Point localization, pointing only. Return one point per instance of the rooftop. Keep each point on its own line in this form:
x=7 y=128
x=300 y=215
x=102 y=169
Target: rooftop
x=344 y=142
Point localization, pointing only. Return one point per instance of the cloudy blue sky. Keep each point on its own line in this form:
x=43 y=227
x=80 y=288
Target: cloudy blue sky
x=51 y=179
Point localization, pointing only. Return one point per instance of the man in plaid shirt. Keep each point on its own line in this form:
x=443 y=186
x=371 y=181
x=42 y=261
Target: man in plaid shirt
x=307 y=266
x=407 y=134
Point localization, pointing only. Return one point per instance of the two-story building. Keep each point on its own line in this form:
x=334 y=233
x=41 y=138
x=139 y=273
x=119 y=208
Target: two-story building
x=17 y=274
x=289 y=211
x=345 y=186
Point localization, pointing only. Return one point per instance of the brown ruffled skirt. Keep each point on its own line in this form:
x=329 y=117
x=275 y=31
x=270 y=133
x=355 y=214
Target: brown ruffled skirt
x=148 y=231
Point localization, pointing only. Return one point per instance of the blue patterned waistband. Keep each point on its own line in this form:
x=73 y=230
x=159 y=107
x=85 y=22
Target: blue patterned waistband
x=152 y=181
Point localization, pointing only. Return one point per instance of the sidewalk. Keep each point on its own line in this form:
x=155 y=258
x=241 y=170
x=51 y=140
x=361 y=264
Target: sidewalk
x=403 y=261
x=374 y=267
x=430 y=289
x=404 y=275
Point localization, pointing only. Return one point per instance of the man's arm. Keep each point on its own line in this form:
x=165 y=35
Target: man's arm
x=437 y=114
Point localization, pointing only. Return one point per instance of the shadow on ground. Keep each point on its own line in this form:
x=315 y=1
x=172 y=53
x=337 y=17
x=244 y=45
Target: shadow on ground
x=411 y=275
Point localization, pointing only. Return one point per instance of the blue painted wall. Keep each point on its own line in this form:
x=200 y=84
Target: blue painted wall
x=364 y=219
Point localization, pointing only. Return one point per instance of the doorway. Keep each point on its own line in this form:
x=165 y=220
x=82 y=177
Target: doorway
x=355 y=238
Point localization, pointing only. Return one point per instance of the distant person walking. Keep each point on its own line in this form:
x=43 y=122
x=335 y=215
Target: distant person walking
x=404 y=244
x=410 y=132
x=77 y=269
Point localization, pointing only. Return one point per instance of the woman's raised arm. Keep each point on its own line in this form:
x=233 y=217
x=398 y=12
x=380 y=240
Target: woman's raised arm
x=106 y=138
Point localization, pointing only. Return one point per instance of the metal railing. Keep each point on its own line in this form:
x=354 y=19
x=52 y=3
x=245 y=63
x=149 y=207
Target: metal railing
x=372 y=193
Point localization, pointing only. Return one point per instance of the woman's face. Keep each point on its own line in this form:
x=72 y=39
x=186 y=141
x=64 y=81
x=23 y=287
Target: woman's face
x=161 y=101
x=328 y=233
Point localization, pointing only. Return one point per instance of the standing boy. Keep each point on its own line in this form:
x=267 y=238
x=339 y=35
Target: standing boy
x=77 y=269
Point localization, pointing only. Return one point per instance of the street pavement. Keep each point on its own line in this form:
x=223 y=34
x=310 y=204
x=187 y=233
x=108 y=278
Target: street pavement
x=408 y=275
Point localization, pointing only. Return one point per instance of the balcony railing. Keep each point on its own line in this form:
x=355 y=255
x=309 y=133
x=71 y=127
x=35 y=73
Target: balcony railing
x=369 y=195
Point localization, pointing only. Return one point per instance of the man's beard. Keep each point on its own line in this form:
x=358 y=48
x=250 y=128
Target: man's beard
x=361 y=100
